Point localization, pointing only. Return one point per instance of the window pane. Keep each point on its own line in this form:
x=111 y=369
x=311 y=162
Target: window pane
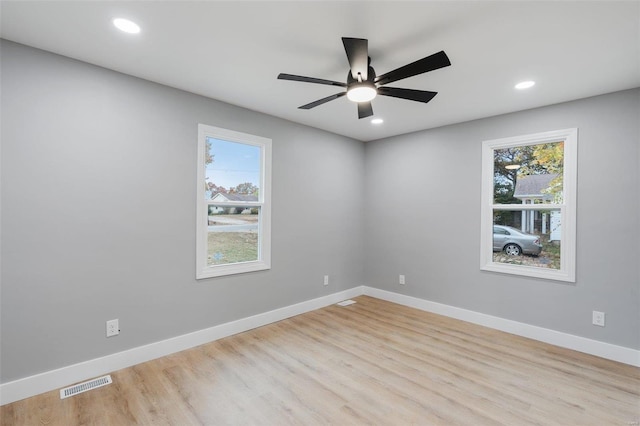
x=527 y=237
x=231 y=168
x=530 y=174
x=232 y=234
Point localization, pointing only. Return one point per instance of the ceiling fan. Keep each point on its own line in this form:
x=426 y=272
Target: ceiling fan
x=362 y=83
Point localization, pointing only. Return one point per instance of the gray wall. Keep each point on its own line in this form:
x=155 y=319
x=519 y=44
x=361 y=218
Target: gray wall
x=98 y=213
x=423 y=219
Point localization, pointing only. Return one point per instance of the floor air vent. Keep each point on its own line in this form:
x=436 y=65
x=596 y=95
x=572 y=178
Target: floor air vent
x=86 y=386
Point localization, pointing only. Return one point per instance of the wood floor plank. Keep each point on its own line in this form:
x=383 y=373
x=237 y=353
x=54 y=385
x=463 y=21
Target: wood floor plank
x=373 y=362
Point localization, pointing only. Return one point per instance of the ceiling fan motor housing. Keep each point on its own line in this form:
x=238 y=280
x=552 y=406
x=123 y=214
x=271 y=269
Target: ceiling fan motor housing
x=371 y=76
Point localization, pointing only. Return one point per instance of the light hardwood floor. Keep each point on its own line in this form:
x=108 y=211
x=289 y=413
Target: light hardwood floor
x=374 y=362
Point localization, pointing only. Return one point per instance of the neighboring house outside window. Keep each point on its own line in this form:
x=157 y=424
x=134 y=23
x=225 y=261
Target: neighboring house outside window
x=221 y=197
x=533 y=189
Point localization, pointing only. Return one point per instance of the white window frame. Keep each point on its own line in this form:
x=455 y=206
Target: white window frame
x=264 y=204
x=567 y=271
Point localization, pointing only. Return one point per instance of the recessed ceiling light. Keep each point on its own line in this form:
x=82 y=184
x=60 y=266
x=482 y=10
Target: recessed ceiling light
x=126 y=25
x=525 y=84
x=377 y=121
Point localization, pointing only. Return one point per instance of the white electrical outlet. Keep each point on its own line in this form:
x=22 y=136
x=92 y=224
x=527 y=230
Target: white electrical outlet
x=401 y=279
x=598 y=318
x=326 y=280
x=113 y=328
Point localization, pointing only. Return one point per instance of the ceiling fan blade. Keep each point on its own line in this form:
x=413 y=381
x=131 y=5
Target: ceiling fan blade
x=292 y=77
x=430 y=63
x=357 y=50
x=410 y=94
x=364 y=109
x=322 y=101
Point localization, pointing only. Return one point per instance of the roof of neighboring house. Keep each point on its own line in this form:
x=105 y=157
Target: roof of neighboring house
x=533 y=185
x=235 y=197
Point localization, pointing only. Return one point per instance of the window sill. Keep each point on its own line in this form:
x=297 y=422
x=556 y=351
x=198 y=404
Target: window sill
x=232 y=269
x=529 y=271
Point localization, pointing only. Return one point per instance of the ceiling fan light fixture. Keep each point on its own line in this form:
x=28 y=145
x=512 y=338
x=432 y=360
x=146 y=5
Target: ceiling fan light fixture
x=362 y=92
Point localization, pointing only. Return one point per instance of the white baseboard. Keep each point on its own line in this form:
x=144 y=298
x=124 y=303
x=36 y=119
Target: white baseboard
x=50 y=380
x=557 y=338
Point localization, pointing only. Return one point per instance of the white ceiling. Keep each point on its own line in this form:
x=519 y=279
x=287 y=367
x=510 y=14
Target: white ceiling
x=233 y=52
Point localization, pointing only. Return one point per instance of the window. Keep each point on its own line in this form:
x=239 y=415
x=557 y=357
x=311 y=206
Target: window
x=233 y=190
x=528 y=214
